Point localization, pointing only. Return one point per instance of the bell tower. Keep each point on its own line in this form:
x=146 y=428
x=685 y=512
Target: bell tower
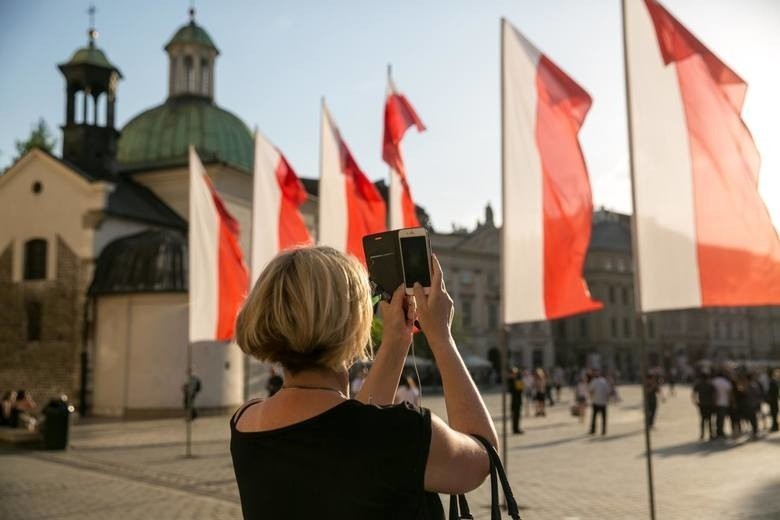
x=191 y=56
x=89 y=139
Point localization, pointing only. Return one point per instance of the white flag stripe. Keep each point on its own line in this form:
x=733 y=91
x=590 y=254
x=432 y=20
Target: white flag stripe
x=663 y=182
x=266 y=205
x=395 y=200
x=203 y=255
x=333 y=217
x=523 y=227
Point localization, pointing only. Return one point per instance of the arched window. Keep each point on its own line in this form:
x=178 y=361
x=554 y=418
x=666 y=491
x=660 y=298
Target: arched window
x=205 y=77
x=33 y=310
x=35 y=259
x=189 y=72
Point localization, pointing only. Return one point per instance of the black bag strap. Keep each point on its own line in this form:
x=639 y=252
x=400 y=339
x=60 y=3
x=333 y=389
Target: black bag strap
x=459 y=508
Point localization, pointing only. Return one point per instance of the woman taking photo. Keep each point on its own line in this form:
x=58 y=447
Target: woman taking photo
x=314 y=451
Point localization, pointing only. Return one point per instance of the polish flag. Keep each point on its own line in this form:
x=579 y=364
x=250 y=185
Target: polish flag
x=546 y=193
x=278 y=194
x=399 y=116
x=218 y=278
x=350 y=204
x=704 y=236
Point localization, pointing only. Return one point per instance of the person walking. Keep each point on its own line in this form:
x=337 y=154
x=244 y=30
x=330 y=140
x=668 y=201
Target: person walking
x=190 y=390
x=528 y=384
x=581 y=397
x=540 y=392
x=723 y=399
x=516 y=388
x=652 y=388
x=750 y=404
x=703 y=397
x=599 y=389
x=772 y=396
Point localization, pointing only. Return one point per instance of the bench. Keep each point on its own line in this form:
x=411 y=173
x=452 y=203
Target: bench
x=18 y=436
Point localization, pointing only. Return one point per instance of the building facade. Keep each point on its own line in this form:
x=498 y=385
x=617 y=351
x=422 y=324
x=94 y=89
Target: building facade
x=608 y=338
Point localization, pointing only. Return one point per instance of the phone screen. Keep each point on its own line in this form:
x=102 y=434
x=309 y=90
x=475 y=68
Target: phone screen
x=414 y=252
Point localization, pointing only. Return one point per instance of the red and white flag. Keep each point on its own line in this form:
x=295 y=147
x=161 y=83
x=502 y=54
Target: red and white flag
x=546 y=192
x=399 y=116
x=277 y=223
x=350 y=204
x=218 y=278
x=704 y=236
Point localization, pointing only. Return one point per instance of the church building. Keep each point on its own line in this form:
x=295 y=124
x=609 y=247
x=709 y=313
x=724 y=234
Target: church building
x=93 y=253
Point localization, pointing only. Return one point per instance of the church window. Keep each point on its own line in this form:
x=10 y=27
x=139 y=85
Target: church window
x=35 y=259
x=189 y=72
x=33 y=311
x=204 y=74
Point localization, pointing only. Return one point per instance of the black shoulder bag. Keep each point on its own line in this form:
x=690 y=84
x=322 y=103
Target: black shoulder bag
x=459 y=507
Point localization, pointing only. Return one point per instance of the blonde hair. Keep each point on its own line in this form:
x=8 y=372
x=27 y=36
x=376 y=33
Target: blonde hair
x=310 y=308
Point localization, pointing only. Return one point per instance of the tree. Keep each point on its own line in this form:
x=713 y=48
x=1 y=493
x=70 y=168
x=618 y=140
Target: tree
x=40 y=137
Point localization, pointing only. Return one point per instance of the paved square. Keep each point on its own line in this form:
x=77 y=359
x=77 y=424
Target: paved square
x=137 y=470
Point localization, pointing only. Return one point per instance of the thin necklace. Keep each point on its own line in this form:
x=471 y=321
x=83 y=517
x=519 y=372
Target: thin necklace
x=305 y=387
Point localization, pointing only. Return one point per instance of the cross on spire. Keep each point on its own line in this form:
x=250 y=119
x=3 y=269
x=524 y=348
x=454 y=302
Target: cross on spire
x=191 y=11
x=92 y=33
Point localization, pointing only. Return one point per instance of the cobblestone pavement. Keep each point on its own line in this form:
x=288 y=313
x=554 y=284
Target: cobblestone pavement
x=128 y=470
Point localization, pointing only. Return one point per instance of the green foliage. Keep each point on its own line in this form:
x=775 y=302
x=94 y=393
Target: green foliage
x=376 y=333
x=40 y=137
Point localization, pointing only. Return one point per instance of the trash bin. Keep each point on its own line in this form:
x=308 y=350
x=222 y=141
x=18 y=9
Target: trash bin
x=55 y=426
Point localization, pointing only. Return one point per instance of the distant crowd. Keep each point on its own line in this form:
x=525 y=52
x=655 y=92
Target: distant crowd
x=744 y=399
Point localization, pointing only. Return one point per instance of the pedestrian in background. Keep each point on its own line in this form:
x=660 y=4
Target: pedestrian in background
x=528 y=384
x=516 y=388
x=652 y=388
x=599 y=389
x=723 y=399
x=540 y=392
x=190 y=390
x=703 y=396
x=581 y=396
x=772 y=396
x=274 y=383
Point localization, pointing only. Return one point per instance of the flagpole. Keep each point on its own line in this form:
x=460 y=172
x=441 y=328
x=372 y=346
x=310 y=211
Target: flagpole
x=504 y=343
x=390 y=202
x=641 y=318
x=189 y=398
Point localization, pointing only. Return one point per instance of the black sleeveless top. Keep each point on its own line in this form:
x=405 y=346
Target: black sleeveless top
x=354 y=461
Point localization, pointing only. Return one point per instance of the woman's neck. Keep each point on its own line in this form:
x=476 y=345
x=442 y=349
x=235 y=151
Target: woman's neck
x=322 y=378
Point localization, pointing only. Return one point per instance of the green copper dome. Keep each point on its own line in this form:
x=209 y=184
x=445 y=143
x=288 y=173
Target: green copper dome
x=192 y=33
x=160 y=136
x=90 y=55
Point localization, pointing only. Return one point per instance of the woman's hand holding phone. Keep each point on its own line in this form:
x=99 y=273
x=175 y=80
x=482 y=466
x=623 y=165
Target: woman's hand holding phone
x=397 y=320
x=434 y=310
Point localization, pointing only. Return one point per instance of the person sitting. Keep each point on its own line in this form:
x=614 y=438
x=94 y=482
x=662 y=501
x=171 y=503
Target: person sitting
x=314 y=451
x=23 y=412
x=7 y=410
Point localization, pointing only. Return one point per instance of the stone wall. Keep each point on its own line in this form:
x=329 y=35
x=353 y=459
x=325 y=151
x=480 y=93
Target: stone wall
x=51 y=366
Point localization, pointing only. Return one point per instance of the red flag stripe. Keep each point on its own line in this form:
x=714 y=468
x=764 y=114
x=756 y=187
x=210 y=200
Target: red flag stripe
x=233 y=277
x=567 y=202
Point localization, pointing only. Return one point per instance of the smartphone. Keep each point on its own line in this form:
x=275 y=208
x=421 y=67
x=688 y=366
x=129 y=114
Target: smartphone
x=415 y=249
x=384 y=263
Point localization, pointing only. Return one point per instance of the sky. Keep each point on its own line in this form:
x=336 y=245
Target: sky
x=279 y=58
